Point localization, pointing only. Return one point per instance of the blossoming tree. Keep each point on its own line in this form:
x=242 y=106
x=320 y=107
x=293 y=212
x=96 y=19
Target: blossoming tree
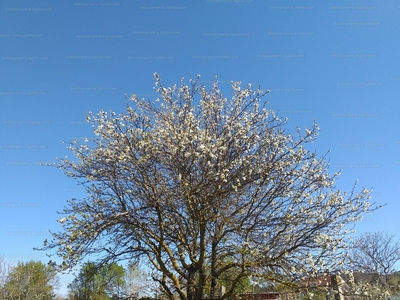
x=376 y=253
x=199 y=186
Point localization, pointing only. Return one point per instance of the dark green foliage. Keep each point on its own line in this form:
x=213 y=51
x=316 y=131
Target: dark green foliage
x=106 y=282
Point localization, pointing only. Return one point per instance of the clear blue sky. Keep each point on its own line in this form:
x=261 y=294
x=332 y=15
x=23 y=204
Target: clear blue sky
x=337 y=63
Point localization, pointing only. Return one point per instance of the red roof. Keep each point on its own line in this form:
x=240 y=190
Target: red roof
x=262 y=296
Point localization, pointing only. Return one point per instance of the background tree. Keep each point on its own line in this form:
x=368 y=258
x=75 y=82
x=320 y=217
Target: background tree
x=139 y=284
x=31 y=280
x=199 y=186
x=107 y=282
x=5 y=269
x=376 y=252
x=241 y=286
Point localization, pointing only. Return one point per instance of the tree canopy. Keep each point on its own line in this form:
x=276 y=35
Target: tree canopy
x=98 y=283
x=376 y=253
x=205 y=190
x=31 y=280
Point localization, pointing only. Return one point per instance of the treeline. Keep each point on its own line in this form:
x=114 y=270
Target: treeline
x=36 y=280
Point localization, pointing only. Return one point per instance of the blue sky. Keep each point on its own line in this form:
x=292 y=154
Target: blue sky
x=337 y=63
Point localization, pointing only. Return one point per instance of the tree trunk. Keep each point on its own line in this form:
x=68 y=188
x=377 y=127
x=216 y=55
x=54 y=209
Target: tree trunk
x=202 y=260
x=214 y=274
x=189 y=289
